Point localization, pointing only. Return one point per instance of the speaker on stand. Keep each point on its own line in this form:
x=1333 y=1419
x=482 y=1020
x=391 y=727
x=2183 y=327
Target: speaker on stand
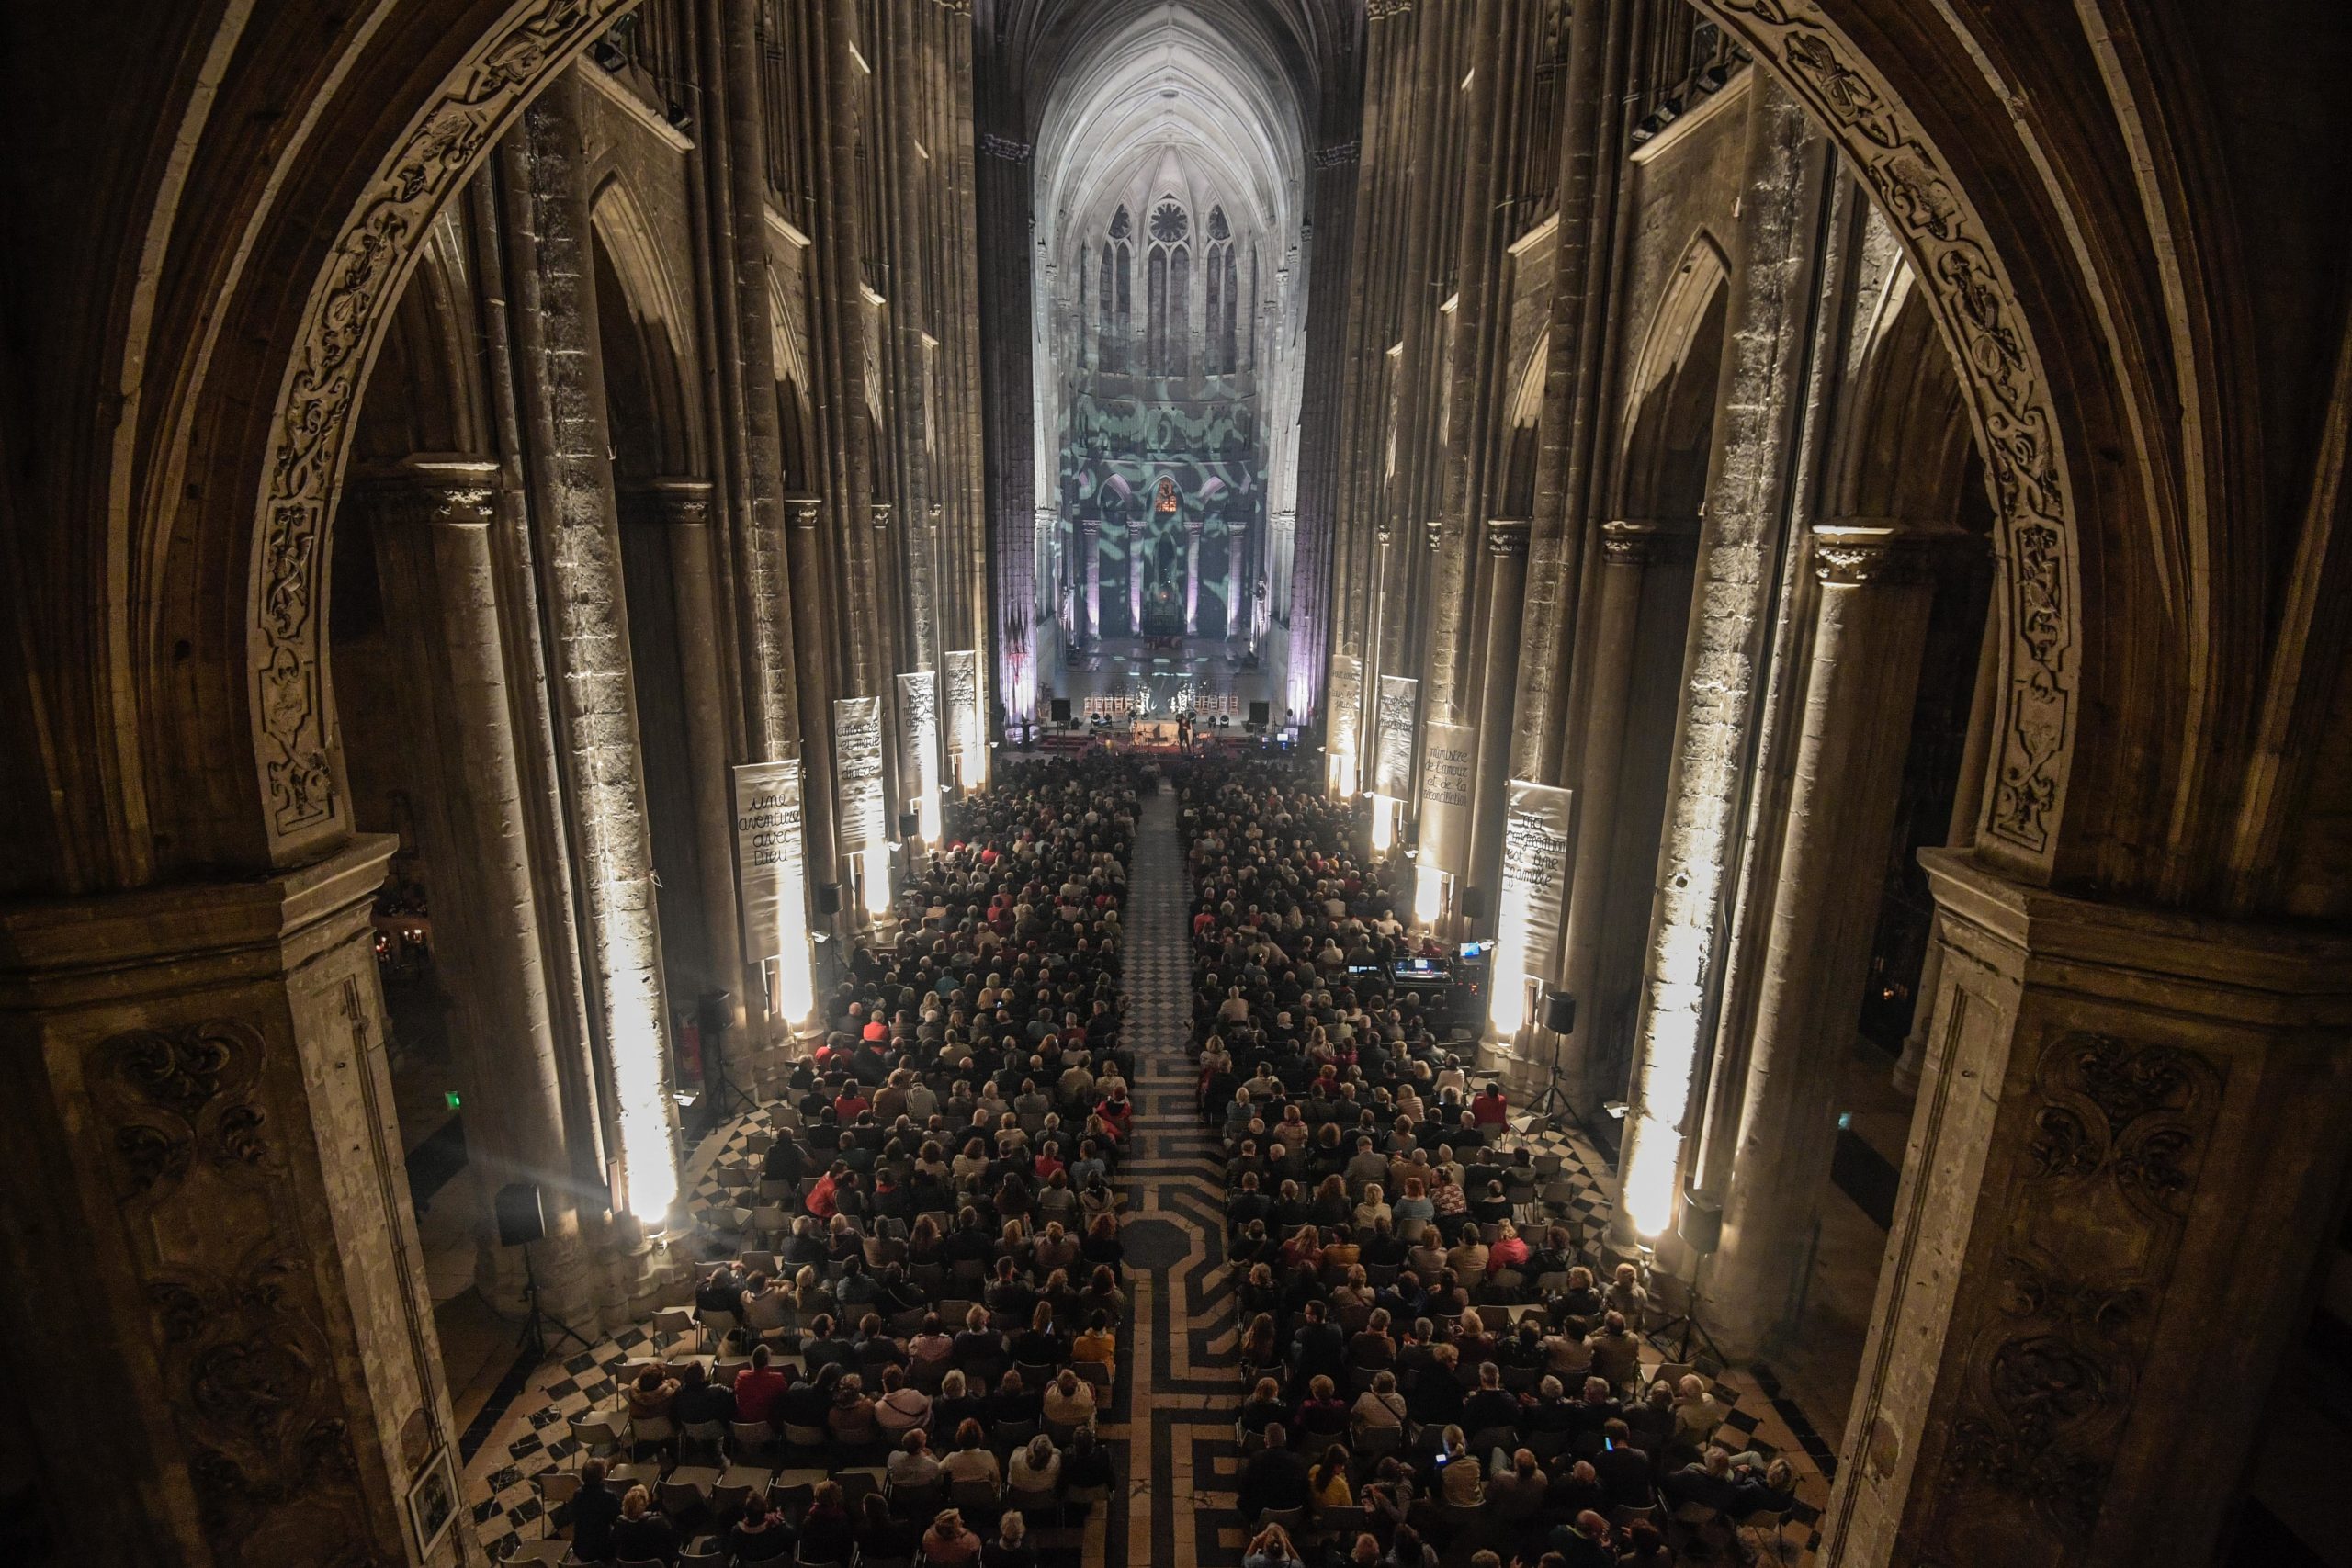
x=522 y=1220
x=726 y=1095
x=1699 y=1227
x=1559 y=1015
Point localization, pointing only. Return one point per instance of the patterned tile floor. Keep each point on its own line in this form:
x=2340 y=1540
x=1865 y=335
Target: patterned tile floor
x=1171 y=1419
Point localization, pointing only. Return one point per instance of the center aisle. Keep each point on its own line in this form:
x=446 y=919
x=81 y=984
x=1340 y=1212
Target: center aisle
x=1181 y=1377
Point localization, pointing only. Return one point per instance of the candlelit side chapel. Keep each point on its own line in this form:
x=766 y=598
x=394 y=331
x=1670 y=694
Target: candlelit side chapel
x=1308 y=784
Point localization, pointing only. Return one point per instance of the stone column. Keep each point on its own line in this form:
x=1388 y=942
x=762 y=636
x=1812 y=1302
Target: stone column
x=1783 y=189
x=1862 y=678
x=1967 y=800
x=1090 y=531
x=1498 y=674
x=560 y=387
x=1237 y=550
x=1138 y=533
x=202 y=1140
x=1630 y=549
x=2126 y=1156
x=682 y=508
x=1192 y=577
x=812 y=667
x=433 y=531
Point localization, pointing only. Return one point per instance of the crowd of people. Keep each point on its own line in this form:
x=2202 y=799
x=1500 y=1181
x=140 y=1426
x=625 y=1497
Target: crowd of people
x=1434 y=1372
x=936 y=1279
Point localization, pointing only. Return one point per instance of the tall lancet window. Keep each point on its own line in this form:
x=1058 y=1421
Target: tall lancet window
x=1223 y=297
x=1170 y=276
x=1117 y=262
x=1107 y=355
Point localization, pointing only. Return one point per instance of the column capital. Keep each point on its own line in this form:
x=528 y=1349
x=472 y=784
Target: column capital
x=1092 y=527
x=881 y=512
x=1434 y=534
x=454 y=491
x=1507 y=536
x=1650 y=541
x=803 y=511
x=682 y=502
x=1854 y=552
x=935 y=515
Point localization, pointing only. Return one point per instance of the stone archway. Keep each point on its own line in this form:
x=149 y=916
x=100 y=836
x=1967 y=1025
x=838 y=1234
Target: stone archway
x=1975 y=305
x=342 y=322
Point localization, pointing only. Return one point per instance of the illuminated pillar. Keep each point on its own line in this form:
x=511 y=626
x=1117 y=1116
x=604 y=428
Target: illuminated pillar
x=433 y=524
x=1631 y=550
x=1237 y=546
x=1869 y=627
x=1192 y=577
x=1090 y=531
x=1784 y=187
x=1498 y=666
x=560 y=387
x=1138 y=532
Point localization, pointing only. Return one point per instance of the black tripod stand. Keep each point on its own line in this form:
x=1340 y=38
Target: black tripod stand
x=1687 y=1320
x=727 y=1096
x=535 y=1332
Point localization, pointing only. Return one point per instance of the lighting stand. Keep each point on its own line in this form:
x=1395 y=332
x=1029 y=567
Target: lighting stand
x=534 y=1338
x=1686 y=1320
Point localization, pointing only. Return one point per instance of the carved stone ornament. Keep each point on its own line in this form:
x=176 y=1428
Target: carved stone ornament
x=803 y=511
x=1005 y=147
x=1854 y=557
x=245 y=1362
x=2115 y=1133
x=1507 y=536
x=1975 y=305
x=345 y=318
x=1643 y=541
x=881 y=513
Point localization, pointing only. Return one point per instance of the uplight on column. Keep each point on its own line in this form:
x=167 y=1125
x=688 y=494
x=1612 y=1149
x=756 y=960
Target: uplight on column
x=1340 y=769
x=878 y=880
x=1429 y=893
x=641 y=1090
x=1383 y=824
x=1507 y=996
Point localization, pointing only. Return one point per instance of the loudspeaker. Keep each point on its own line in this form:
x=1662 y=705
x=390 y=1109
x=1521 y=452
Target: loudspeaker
x=828 y=897
x=1560 y=1013
x=1473 y=903
x=1261 y=713
x=714 y=1015
x=1701 y=1224
x=1061 y=710
x=520 y=1218
x=909 y=823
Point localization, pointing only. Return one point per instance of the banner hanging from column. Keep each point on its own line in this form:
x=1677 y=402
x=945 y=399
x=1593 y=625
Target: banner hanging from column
x=1343 y=729
x=1537 y=822
x=771 y=877
x=918 y=737
x=1449 y=764
x=1392 y=767
x=967 y=721
x=858 y=761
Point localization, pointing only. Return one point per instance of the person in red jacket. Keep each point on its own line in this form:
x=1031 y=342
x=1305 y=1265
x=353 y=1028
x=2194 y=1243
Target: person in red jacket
x=758 y=1387
x=1491 y=1109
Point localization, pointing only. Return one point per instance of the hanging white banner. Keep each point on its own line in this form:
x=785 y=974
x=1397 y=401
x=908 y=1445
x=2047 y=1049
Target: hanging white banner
x=1449 y=762
x=1392 y=772
x=1537 y=823
x=1343 y=732
x=771 y=877
x=858 y=762
x=966 y=723
x=919 y=737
